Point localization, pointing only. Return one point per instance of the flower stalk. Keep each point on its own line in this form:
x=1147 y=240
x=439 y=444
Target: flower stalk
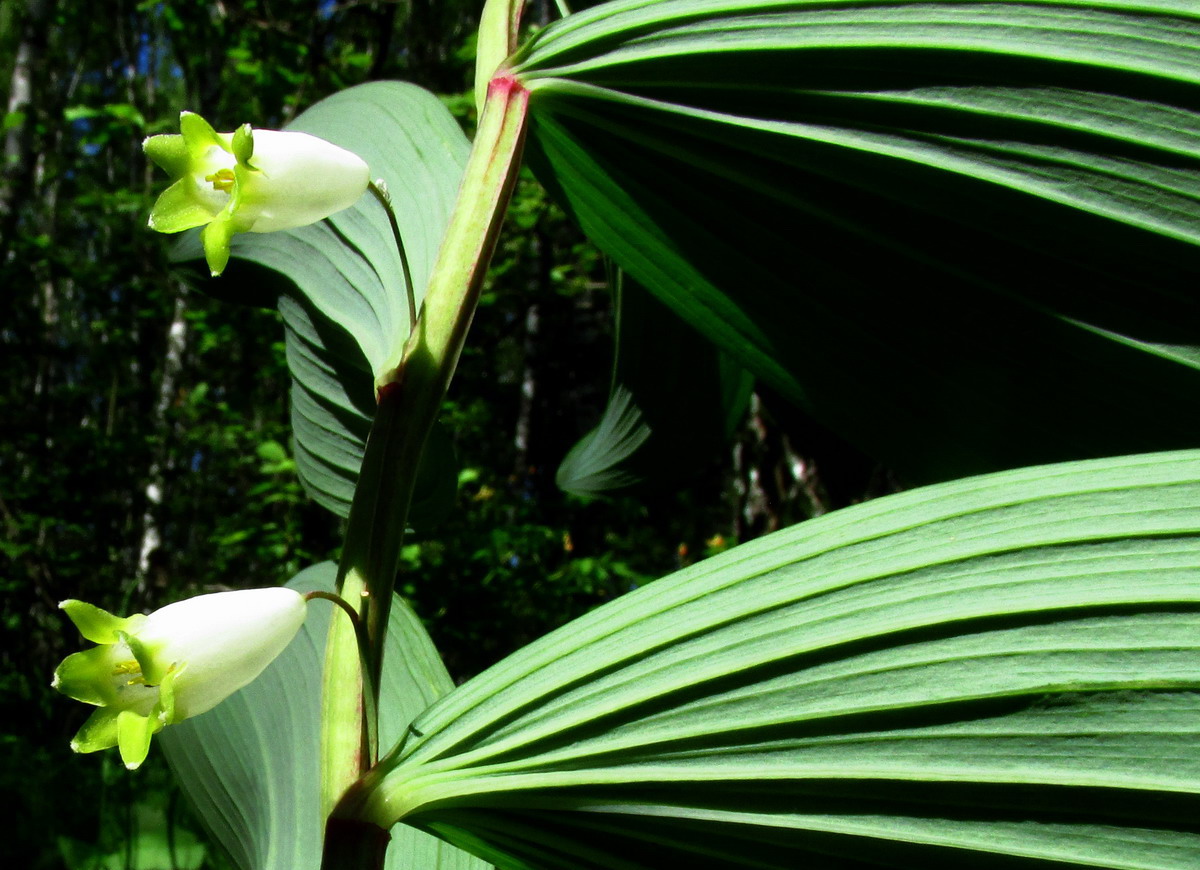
x=380 y=192
x=370 y=694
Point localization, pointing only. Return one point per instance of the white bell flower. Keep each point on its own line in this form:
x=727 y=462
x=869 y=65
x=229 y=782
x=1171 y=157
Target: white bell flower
x=249 y=181
x=179 y=661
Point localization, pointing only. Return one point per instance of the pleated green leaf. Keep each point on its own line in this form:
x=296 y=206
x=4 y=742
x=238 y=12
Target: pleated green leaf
x=339 y=284
x=594 y=464
x=250 y=766
x=1001 y=671
x=963 y=234
x=674 y=403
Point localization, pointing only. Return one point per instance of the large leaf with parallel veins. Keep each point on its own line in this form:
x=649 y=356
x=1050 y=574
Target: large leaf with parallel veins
x=999 y=672
x=964 y=234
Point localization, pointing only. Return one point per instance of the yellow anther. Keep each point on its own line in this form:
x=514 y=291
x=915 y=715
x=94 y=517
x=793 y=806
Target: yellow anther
x=222 y=180
x=130 y=666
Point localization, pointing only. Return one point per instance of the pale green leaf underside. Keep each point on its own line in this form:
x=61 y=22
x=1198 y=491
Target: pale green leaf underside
x=593 y=465
x=674 y=403
x=998 y=672
x=343 y=300
x=251 y=767
x=979 y=219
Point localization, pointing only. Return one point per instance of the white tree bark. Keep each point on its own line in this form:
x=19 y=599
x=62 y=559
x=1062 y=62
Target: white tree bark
x=20 y=98
x=168 y=386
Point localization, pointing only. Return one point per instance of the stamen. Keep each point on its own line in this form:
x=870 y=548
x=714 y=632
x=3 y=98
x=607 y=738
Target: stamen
x=130 y=667
x=221 y=180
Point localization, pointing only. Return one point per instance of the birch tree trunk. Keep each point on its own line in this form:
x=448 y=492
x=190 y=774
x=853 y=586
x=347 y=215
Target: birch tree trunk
x=18 y=139
x=168 y=386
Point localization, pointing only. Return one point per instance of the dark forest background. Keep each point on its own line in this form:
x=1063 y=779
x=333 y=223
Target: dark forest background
x=145 y=448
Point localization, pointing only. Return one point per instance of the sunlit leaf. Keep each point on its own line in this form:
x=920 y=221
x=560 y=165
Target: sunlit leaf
x=997 y=672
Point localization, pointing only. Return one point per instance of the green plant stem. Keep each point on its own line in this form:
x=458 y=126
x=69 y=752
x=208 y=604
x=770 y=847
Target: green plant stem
x=410 y=397
x=499 y=23
x=351 y=845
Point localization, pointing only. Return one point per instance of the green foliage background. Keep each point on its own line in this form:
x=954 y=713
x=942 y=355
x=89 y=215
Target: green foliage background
x=145 y=452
